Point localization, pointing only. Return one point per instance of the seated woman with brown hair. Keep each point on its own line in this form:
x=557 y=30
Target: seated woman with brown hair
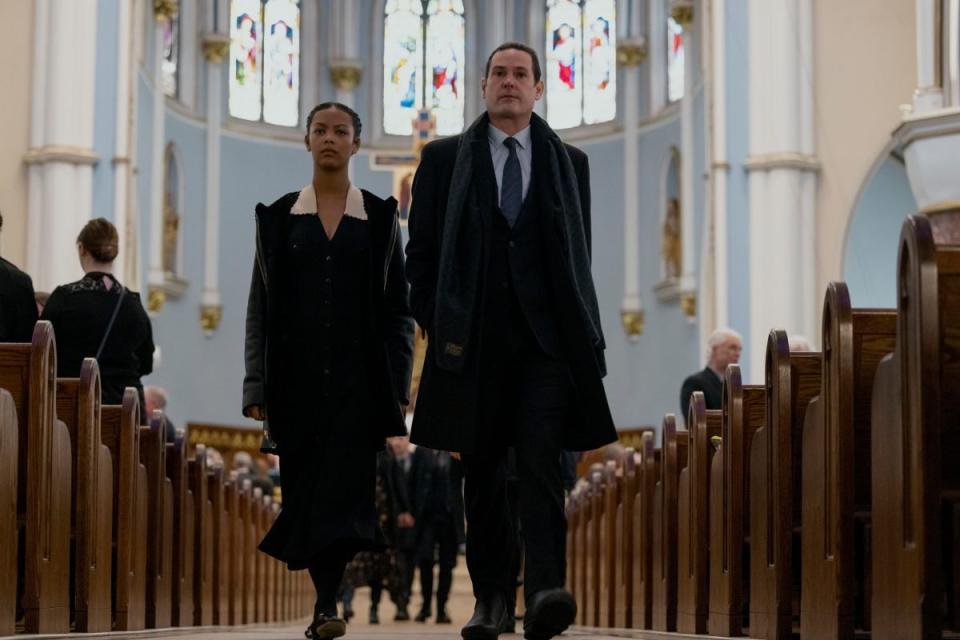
x=98 y=317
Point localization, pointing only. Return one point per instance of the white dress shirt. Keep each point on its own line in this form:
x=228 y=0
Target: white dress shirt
x=499 y=154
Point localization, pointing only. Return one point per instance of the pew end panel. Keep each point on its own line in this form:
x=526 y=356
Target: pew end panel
x=8 y=514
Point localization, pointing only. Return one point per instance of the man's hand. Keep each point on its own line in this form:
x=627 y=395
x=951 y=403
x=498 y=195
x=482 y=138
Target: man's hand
x=455 y=455
x=256 y=412
x=405 y=520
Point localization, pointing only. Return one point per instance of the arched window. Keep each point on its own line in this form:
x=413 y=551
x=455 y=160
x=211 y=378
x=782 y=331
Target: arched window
x=675 y=68
x=171 y=55
x=423 y=41
x=265 y=61
x=581 y=74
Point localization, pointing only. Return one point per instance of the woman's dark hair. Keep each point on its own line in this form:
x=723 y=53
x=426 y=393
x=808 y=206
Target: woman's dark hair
x=519 y=46
x=99 y=237
x=323 y=106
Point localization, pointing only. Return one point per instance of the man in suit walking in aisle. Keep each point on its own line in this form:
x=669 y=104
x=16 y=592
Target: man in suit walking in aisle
x=18 y=307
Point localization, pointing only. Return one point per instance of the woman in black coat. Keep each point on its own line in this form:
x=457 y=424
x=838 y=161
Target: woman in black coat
x=82 y=311
x=329 y=351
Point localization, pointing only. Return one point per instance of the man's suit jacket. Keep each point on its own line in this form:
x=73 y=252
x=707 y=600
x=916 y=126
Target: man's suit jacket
x=449 y=402
x=706 y=381
x=18 y=307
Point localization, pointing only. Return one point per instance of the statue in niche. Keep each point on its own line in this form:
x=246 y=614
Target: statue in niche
x=670 y=239
x=171 y=236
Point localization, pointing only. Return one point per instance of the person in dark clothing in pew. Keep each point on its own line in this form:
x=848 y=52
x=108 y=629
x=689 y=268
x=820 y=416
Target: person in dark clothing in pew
x=100 y=318
x=18 y=311
x=329 y=353
x=723 y=348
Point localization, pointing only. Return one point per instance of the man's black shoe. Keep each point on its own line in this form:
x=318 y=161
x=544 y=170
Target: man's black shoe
x=402 y=615
x=550 y=613
x=423 y=615
x=442 y=617
x=489 y=619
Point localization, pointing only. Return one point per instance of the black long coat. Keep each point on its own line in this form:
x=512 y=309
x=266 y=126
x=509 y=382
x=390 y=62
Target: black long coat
x=18 y=309
x=449 y=403
x=388 y=355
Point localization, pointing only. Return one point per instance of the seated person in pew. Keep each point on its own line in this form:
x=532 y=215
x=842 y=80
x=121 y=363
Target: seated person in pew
x=18 y=311
x=156 y=398
x=98 y=317
x=723 y=348
x=799 y=343
x=41 y=298
x=329 y=354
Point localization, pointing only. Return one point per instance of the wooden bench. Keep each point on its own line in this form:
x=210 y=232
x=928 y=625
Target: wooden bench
x=221 y=545
x=744 y=411
x=250 y=540
x=181 y=610
x=232 y=569
x=693 y=512
x=78 y=406
x=836 y=463
x=120 y=430
x=8 y=514
x=623 y=588
x=200 y=545
x=160 y=573
x=648 y=470
x=792 y=380
x=44 y=462
x=915 y=480
x=674 y=457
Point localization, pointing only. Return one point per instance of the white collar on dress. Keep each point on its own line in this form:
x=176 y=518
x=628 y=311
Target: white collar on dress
x=306 y=203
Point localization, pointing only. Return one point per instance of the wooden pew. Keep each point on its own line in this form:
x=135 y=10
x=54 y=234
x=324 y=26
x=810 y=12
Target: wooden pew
x=273 y=566
x=648 y=471
x=232 y=569
x=201 y=544
x=120 y=430
x=44 y=462
x=572 y=512
x=623 y=596
x=693 y=512
x=583 y=529
x=181 y=610
x=160 y=575
x=587 y=553
x=744 y=411
x=249 y=510
x=915 y=438
x=8 y=514
x=674 y=457
x=608 y=573
x=259 y=559
x=221 y=545
x=792 y=381
x=594 y=540
x=78 y=406
x=836 y=462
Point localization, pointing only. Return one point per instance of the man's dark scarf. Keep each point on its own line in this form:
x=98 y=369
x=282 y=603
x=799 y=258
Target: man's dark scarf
x=461 y=251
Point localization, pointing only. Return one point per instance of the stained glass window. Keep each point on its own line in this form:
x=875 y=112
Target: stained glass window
x=581 y=72
x=171 y=55
x=265 y=61
x=423 y=42
x=675 y=68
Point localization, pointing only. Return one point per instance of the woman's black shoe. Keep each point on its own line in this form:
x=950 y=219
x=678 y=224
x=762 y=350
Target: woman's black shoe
x=374 y=616
x=325 y=627
x=347 y=612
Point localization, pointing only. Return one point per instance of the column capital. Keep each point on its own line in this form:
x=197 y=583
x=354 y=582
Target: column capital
x=164 y=10
x=346 y=73
x=216 y=47
x=210 y=316
x=632 y=53
x=682 y=12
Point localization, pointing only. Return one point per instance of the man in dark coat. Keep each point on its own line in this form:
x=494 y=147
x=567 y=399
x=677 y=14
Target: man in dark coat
x=723 y=348
x=499 y=266
x=18 y=308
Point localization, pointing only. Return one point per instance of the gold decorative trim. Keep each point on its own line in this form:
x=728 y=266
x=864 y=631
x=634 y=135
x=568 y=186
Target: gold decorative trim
x=118 y=160
x=949 y=206
x=61 y=153
x=156 y=297
x=688 y=302
x=633 y=321
x=164 y=10
x=346 y=74
x=682 y=14
x=787 y=160
x=631 y=54
x=210 y=317
x=216 y=47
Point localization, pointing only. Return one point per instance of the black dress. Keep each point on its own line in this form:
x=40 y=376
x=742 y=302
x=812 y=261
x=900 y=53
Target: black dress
x=326 y=462
x=80 y=312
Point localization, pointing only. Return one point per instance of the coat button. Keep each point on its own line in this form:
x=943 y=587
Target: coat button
x=511 y=244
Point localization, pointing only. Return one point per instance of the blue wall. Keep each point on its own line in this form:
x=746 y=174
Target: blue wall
x=870 y=251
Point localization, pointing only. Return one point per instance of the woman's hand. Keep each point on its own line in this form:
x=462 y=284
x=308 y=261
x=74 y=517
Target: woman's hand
x=256 y=412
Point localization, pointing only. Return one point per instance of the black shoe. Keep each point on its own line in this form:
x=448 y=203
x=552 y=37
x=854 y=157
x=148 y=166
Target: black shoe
x=549 y=614
x=374 y=616
x=402 y=615
x=489 y=619
x=442 y=617
x=325 y=627
x=423 y=616
x=347 y=612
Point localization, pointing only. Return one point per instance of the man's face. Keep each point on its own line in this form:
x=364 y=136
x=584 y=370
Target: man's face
x=726 y=353
x=400 y=446
x=509 y=90
x=331 y=139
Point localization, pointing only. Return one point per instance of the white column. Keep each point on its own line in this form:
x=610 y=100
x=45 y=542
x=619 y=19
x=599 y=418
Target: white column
x=494 y=18
x=155 y=274
x=61 y=157
x=929 y=93
x=687 y=178
x=719 y=167
x=783 y=174
x=657 y=46
x=122 y=161
x=537 y=16
x=346 y=68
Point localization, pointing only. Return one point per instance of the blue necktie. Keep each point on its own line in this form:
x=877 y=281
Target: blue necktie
x=511 y=184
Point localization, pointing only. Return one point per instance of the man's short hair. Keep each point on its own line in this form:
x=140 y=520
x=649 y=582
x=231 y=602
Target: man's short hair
x=720 y=336
x=519 y=46
x=158 y=394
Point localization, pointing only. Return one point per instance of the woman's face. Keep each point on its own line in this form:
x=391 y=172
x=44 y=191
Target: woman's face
x=331 y=139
